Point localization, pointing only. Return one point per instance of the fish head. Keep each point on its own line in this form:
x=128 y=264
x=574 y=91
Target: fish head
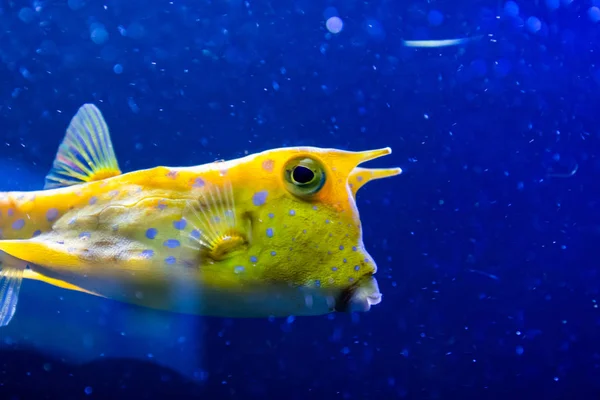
x=302 y=226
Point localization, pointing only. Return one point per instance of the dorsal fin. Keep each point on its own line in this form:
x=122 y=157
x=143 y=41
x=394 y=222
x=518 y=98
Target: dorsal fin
x=86 y=153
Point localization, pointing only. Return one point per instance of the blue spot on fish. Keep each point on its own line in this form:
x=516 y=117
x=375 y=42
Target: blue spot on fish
x=238 y=269
x=198 y=183
x=334 y=269
x=356 y=268
x=270 y=232
x=260 y=198
x=170 y=260
x=271 y=215
x=18 y=224
x=93 y=200
x=84 y=235
x=195 y=234
x=180 y=224
x=292 y=212
x=171 y=243
x=273 y=253
x=148 y=253
x=37 y=233
x=51 y=214
x=253 y=259
x=341 y=247
x=10 y=212
x=151 y=233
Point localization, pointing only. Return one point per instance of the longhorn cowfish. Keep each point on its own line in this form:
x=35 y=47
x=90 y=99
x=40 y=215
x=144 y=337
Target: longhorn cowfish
x=271 y=234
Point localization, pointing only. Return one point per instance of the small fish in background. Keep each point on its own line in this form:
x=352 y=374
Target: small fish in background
x=271 y=234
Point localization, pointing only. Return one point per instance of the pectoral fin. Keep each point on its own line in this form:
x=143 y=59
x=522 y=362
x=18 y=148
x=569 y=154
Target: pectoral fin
x=216 y=231
x=11 y=276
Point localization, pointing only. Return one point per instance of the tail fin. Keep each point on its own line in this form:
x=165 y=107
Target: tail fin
x=19 y=219
x=11 y=276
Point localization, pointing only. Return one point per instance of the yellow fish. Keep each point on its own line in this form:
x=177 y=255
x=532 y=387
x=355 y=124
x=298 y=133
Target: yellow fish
x=271 y=234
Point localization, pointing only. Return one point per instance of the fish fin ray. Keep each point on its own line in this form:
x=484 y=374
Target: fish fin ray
x=86 y=153
x=11 y=277
x=211 y=217
x=33 y=275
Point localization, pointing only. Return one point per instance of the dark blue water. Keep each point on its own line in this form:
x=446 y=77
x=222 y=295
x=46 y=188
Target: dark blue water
x=487 y=245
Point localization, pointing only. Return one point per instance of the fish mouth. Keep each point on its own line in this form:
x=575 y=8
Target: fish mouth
x=360 y=297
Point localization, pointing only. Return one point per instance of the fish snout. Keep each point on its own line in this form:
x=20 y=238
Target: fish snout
x=360 y=297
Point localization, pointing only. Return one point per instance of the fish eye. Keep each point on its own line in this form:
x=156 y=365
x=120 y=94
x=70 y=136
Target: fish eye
x=304 y=176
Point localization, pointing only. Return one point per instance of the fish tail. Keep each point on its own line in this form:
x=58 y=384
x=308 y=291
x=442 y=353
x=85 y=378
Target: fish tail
x=11 y=277
x=17 y=218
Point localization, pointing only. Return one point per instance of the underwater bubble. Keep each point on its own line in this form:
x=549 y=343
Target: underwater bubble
x=135 y=31
x=26 y=14
x=594 y=13
x=519 y=350
x=435 y=18
x=47 y=47
x=553 y=4
x=334 y=25
x=88 y=390
x=511 y=8
x=98 y=34
x=534 y=24
x=118 y=69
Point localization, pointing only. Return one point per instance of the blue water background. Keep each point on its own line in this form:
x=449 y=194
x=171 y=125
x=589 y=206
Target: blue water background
x=487 y=247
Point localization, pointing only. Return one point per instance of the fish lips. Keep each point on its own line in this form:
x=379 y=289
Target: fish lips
x=360 y=297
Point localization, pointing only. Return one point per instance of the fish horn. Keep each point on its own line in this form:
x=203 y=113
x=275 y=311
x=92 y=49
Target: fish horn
x=363 y=156
x=360 y=176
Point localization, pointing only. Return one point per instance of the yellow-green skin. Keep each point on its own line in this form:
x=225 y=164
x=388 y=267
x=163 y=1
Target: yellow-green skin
x=290 y=254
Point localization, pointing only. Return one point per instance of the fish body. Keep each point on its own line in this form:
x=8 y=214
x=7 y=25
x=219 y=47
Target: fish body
x=271 y=234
